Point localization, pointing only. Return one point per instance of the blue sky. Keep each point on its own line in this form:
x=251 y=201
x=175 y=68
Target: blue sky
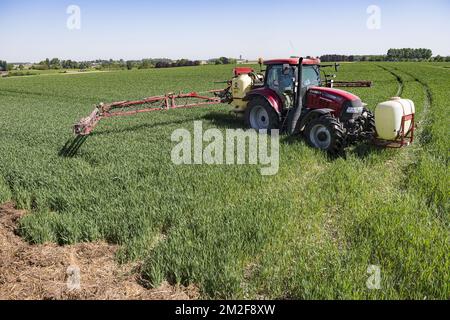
x=31 y=30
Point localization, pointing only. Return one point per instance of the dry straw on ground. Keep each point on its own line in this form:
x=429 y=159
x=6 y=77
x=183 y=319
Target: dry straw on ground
x=41 y=271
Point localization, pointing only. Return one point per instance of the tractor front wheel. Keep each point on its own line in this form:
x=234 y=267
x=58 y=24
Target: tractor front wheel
x=326 y=133
x=260 y=115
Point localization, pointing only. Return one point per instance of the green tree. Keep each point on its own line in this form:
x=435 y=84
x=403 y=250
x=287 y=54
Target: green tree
x=224 y=60
x=83 y=65
x=428 y=53
x=55 y=63
x=43 y=65
x=145 y=64
x=406 y=54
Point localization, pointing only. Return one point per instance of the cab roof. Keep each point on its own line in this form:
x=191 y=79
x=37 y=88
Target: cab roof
x=292 y=61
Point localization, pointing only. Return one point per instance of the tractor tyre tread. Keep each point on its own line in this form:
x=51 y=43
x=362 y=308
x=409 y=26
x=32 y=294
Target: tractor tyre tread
x=337 y=145
x=370 y=124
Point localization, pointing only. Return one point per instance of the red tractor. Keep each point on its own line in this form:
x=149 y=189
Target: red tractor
x=291 y=97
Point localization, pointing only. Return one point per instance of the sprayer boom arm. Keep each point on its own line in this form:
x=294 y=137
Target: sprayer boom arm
x=157 y=103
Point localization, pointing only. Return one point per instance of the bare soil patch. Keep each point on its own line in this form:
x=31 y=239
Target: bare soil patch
x=44 y=271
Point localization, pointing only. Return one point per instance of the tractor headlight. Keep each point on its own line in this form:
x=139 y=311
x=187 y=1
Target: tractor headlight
x=355 y=109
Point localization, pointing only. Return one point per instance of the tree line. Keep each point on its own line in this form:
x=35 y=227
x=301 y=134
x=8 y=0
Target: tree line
x=56 y=63
x=351 y=58
x=5 y=66
x=408 y=54
x=404 y=54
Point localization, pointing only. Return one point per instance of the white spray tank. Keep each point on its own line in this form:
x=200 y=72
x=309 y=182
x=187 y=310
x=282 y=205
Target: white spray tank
x=389 y=115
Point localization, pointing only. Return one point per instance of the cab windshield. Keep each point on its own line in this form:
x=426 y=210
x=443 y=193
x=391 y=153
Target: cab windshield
x=311 y=76
x=282 y=80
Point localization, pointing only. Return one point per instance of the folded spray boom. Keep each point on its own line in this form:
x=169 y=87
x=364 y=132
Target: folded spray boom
x=157 y=103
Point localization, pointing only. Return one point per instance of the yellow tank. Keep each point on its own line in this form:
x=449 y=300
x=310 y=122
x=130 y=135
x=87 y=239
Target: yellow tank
x=240 y=85
x=388 y=117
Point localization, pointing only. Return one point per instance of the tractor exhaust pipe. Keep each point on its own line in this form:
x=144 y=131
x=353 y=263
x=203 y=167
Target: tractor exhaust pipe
x=299 y=100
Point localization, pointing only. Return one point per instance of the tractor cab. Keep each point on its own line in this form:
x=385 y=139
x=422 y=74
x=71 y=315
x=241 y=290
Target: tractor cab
x=278 y=86
x=281 y=77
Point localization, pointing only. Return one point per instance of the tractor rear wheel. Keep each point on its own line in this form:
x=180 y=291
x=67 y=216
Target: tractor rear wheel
x=260 y=115
x=326 y=133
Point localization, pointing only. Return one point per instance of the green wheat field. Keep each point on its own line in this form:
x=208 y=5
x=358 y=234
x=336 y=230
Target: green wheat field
x=309 y=232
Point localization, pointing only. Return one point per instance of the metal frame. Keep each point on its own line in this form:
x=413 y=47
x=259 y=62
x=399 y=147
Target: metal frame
x=348 y=84
x=158 y=103
x=404 y=138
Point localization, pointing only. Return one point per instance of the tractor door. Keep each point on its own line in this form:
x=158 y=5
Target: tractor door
x=281 y=78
